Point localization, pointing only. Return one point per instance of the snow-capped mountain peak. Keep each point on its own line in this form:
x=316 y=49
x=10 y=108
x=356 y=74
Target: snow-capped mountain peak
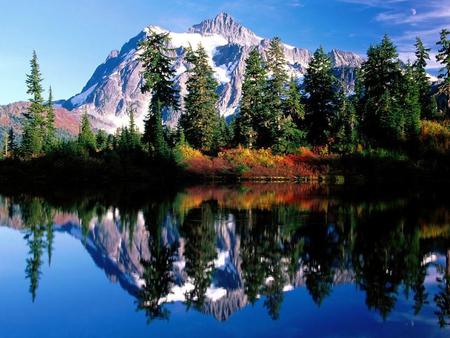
x=223 y=24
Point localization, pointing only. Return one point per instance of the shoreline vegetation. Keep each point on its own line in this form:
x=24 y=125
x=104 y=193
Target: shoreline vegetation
x=394 y=125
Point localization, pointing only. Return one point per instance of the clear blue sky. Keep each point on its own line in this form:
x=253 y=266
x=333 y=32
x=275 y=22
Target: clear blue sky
x=73 y=37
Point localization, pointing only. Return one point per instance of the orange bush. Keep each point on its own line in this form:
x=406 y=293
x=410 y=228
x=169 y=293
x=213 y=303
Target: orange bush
x=251 y=164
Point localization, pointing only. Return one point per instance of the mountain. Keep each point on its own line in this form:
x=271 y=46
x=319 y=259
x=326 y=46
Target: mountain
x=115 y=85
x=11 y=116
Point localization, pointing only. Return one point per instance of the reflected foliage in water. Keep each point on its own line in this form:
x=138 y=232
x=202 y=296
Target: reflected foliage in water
x=218 y=249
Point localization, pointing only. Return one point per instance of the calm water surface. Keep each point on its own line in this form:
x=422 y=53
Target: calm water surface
x=250 y=261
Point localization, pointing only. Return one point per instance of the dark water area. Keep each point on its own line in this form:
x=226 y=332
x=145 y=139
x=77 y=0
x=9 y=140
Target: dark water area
x=254 y=260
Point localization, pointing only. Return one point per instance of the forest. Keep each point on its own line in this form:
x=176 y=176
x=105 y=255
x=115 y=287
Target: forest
x=394 y=121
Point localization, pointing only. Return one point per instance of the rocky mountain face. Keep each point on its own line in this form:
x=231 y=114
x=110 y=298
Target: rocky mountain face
x=115 y=85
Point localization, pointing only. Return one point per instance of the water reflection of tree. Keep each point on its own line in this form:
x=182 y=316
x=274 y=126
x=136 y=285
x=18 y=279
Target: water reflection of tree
x=323 y=242
x=387 y=255
x=199 y=251
x=37 y=217
x=157 y=276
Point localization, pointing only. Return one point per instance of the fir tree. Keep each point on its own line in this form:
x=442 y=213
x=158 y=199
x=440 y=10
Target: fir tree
x=50 y=132
x=253 y=102
x=33 y=127
x=273 y=130
x=134 y=137
x=4 y=151
x=101 y=140
x=200 y=119
x=443 y=57
x=383 y=117
x=86 y=137
x=321 y=103
x=158 y=73
x=346 y=128
x=411 y=102
x=11 y=142
x=427 y=101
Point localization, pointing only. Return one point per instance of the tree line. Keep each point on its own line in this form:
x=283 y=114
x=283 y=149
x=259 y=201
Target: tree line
x=389 y=100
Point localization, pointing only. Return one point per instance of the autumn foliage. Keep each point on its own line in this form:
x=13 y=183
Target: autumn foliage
x=252 y=163
x=436 y=136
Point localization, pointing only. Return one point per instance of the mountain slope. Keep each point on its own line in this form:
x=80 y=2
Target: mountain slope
x=115 y=85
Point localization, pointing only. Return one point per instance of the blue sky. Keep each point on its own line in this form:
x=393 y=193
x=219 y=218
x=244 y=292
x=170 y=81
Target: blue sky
x=73 y=37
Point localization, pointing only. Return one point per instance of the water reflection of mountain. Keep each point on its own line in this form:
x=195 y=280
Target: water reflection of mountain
x=219 y=249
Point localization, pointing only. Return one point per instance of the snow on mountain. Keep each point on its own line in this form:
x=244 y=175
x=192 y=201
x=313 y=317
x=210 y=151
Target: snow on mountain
x=115 y=86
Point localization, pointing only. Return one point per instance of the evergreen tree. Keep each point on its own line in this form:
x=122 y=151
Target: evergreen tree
x=322 y=102
x=293 y=104
x=11 y=142
x=427 y=101
x=253 y=102
x=346 y=125
x=383 y=117
x=134 y=137
x=86 y=137
x=158 y=73
x=443 y=57
x=274 y=131
x=200 y=119
x=4 y=151
x=101 y=140
x=32 y=142
x=50 y=132
x=411 y=102
x=293 y=130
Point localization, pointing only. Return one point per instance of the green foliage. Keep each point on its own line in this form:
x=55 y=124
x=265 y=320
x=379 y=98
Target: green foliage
x=253 y=108
x=158 y=73
x=201 y=119
x=346 y=128
x=33 y=134
x=277 y=125
x=411 y=103
x=427 y=101
x=50 y=139
x=86 y=137
x=321 y=102
x=443 y=57
x=382 y=119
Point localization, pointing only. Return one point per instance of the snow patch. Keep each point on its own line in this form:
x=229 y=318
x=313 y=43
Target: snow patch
x=81 y=98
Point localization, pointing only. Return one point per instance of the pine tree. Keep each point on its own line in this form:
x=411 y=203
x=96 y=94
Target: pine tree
x=158 y=73
x=322 y=101
x=11 y=142
x=50 y=132
x=273 y=129
x=135 y=138
x=86 y=137
x=294 y=112
x=346 y=127
x=443 y=57
x=4 y=151
x=32 y=142
x=253 y=102
x=200 y=119
x=101 y=140
x=427 y=101
x=411 y=102
x=383 y=117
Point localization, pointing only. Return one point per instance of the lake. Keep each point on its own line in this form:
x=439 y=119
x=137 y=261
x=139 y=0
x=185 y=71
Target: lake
x=255 y=260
